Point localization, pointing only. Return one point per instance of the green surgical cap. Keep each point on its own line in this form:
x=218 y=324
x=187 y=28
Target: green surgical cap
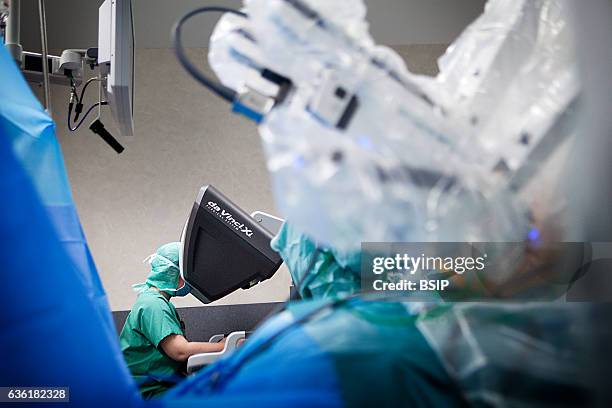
x=164 y=273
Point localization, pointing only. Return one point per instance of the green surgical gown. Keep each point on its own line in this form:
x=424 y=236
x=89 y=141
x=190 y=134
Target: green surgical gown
x=151 y=319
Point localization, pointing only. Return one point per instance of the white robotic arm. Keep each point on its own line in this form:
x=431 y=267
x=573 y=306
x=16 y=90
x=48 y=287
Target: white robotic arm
x=360 y=149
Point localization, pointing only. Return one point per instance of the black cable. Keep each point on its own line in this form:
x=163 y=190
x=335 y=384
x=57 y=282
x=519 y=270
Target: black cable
x=79 y=105
x=91 y=108
x=223 y=91
x=89 y=81
x=72 y=84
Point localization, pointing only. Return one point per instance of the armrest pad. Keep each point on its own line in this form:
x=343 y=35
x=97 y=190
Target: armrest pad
x=216 y=338
x=197 y=361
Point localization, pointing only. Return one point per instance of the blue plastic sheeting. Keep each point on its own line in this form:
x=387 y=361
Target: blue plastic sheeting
x=293 y=372
x=360 y=354
x=56 y=327
x=31 y=133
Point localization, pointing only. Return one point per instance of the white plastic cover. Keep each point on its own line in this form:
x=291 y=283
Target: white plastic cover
x=422 y=159
x=486 y=347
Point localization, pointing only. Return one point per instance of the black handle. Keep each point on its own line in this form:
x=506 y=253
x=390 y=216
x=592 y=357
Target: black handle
x=98 y=128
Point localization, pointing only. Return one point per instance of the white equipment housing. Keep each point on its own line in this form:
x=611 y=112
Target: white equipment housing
x=116 y=60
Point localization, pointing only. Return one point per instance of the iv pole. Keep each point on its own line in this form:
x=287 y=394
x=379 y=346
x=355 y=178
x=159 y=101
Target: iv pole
x=45 y=52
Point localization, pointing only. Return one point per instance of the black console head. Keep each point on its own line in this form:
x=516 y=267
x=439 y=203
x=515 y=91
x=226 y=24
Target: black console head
x=224 y=248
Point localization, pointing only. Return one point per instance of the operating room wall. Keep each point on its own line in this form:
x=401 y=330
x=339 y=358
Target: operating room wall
x=185 y=137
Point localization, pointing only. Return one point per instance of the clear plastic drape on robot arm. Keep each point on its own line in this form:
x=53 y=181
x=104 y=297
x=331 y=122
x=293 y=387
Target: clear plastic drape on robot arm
x=426 y=159
x=422 y=159
x=235 y=56
x=484 y=347
x=512 y=75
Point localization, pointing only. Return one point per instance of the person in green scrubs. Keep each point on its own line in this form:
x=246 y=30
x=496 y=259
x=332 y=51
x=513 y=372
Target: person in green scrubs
x=153 y=338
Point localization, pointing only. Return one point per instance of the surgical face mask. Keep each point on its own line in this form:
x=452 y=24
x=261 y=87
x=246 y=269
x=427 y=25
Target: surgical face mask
x=183 y=290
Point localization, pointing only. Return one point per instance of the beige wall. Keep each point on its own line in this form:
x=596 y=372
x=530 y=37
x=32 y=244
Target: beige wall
x=131 y=203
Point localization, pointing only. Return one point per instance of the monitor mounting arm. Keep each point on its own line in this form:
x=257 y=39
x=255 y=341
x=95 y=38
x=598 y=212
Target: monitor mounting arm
x=60 y=68
x=66 y=69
